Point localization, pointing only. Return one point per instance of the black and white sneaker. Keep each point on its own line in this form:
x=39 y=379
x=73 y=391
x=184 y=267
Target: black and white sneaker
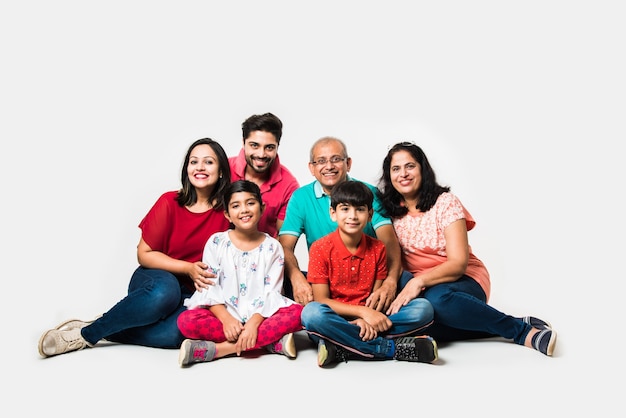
x=329 y=353
x=422 y=349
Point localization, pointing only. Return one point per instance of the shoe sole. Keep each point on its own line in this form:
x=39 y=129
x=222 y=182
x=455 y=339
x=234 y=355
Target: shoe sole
x=289 y=346
x=435 y=351
x=429 y=352
x=40 y=344
x=551 y=344
x=425 y=348
x=182 y=353
x=324 y=354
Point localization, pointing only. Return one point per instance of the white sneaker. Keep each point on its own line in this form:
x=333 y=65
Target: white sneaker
x=73 y=323
x=55 y=341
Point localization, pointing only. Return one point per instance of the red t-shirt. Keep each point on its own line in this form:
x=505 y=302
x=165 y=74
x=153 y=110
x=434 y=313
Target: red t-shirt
x=350 y=277
x=175 y=231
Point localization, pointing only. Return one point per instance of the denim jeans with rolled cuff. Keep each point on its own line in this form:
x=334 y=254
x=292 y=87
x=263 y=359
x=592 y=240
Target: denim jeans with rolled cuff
x=147 y=315
x=320 y=321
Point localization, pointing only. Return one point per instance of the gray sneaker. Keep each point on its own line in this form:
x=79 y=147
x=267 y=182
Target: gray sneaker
x=195 y=351
x=285 y=346
x=60 y=341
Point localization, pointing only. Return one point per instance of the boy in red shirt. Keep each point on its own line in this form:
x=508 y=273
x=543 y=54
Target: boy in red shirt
x=345 y=266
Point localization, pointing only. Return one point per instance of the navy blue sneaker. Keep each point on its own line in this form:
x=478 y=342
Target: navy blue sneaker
x=544 y=341
x=536 y=322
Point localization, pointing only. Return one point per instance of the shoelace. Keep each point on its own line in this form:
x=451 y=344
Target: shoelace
x=74 y=340
x=341 y=355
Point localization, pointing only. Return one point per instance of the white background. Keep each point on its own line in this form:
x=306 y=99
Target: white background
x=519 y=105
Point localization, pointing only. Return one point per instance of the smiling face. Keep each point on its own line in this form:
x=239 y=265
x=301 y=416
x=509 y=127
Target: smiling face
x=351 y=220
x=330 y=173
x=260 y=150
x=203 y=168
x=405 y=174
x=244 y=210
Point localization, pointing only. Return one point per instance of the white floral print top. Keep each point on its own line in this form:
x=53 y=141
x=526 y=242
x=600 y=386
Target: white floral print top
x=248 y=282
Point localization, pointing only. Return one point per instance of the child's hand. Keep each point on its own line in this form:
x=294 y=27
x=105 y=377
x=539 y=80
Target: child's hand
x=247 y=338
x=232 y=328
x=378 y=320
x=367 y=332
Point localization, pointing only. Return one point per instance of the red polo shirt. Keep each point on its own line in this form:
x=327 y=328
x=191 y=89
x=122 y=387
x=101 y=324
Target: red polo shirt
x=351 y=277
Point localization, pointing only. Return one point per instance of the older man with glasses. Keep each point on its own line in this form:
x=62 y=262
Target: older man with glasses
x=308 y=213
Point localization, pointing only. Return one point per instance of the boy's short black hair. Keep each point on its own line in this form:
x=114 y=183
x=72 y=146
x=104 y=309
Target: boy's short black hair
x=353 y=193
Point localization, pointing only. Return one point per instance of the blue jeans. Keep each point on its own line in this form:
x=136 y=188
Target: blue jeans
x=462 y=313
x=320 y=321
x=147 y=315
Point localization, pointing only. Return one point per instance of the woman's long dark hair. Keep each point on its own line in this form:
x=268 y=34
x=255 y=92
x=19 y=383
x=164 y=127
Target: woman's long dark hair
x=429 y=190
x=187 y=195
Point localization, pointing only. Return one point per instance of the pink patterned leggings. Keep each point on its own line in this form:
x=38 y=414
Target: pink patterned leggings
x=201 y=324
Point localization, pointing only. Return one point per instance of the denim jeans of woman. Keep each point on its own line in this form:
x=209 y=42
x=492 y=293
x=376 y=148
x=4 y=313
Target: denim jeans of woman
x=462 y=313
x=147 y=315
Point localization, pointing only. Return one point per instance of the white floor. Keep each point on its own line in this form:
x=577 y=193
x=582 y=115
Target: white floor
x=520 y=107
x=483 y=378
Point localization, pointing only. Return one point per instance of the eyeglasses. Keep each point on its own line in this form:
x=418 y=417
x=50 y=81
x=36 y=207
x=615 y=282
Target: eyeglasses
x=333 y=160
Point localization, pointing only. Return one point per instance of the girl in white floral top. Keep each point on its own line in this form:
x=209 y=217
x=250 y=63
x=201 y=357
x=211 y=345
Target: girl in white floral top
x=431 y=224
x=244 y=309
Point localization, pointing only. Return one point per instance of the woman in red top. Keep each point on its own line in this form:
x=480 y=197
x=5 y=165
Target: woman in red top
x=174 y=233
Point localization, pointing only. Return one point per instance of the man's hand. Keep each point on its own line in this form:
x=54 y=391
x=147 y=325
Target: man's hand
x=302 y=291
x=381 y=299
